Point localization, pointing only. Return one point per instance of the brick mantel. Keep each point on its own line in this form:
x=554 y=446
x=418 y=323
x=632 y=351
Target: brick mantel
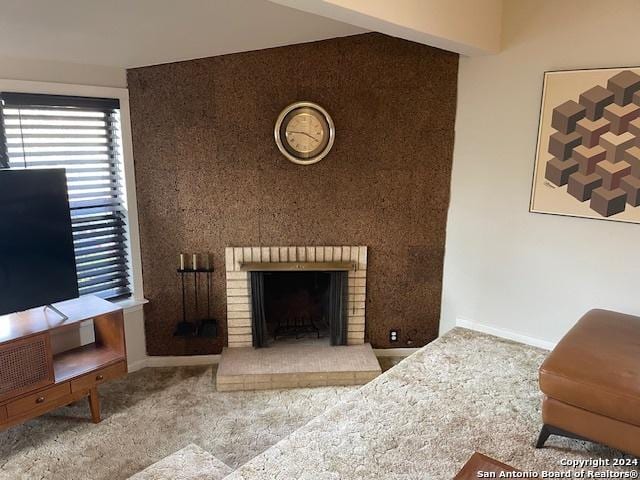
x=239 y=329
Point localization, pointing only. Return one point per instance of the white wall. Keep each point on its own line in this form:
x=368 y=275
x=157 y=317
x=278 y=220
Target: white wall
x=61 y=72
x=506 y=268
x=470 y=27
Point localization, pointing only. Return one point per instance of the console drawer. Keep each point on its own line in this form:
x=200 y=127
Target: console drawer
x=90 y=380
x=36 y=400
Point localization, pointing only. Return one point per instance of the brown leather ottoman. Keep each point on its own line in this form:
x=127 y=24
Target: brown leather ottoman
x=591 y=382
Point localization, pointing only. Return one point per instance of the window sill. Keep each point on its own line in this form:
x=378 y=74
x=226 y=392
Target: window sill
x=131 y=304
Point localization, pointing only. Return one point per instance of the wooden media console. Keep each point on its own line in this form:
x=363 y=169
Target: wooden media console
x=34 y=381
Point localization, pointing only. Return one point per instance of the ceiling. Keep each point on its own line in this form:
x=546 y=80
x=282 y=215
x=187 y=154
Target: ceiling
x=133 y=33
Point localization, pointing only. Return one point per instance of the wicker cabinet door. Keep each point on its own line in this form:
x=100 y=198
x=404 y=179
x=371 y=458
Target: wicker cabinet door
x=25 y=365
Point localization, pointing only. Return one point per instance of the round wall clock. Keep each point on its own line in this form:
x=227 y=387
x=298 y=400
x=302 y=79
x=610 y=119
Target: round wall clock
x=304 y=133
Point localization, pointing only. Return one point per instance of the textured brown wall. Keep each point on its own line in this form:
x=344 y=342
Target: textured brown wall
x=209 y=174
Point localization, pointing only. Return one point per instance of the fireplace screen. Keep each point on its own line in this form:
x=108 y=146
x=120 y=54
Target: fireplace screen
x=299 y=305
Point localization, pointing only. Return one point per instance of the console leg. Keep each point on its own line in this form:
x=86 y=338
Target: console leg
x=545 y=432
x=94 y=405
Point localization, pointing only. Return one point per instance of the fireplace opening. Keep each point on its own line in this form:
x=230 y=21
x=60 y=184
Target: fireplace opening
x=293 y=306
x=296 y=305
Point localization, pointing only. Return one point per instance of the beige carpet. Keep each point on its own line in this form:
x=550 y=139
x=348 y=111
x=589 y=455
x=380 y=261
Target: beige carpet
x=190 y=463
x=424 y=418
x=152 y=414
x=420 y=420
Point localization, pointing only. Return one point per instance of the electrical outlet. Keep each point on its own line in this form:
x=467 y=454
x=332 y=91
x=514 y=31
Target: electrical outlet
x=394 y=336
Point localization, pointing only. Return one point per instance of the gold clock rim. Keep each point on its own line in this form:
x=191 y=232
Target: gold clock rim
x=316 y=158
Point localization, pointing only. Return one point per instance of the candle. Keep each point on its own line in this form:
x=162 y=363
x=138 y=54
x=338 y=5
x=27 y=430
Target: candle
x=194 y=262
x=183 y=261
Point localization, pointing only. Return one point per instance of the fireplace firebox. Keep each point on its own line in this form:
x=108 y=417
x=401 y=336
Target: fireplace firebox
x=298 y=305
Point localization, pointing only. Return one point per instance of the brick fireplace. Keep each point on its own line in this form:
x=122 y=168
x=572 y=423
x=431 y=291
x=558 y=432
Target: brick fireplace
x=239 y=261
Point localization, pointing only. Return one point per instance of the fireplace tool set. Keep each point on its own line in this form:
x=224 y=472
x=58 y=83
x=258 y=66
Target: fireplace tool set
x=200 y=268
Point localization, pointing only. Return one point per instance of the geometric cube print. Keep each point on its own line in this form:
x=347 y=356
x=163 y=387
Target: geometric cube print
x=595 y=145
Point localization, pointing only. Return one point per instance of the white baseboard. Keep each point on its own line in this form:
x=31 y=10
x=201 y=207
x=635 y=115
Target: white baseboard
x=137 y=365
x=175 y=361
x=394 y=352
x=504 y=333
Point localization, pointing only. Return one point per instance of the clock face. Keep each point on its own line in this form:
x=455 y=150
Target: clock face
x=304 y=133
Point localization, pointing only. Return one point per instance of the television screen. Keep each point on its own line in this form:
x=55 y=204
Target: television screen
x=37 y=262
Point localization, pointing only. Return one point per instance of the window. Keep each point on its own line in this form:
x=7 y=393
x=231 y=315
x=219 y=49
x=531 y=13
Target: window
x=81 y=135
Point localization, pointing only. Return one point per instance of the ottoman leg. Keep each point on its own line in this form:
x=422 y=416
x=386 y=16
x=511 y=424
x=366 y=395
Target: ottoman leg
x=545 y=432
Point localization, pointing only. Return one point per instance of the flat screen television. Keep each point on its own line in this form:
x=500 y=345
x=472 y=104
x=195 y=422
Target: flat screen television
x=37 y=261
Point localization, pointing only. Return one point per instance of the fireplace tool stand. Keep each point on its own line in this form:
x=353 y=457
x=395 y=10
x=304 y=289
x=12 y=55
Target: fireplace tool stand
x=205 y=327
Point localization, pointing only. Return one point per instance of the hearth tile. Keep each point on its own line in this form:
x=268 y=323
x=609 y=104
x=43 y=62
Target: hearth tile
x=238 y=300
x=231 y=379
x=239 y=322
x=237 y=292
x=265 y=254
x=312 y=383
x=328 y=254
x=319 y=254
x=237 y=257
x=362 y=258
x=239 y=330
x=238 y=307
x=311 y=254
x=346 y=253
x=301 y=254
x=355 y=251
x=284 y=254
x=256 y=254
x=293 y=254
x=356 y=320
x=246 y=254
x=233 y=275
x=341 y=376
x=305 y=365
x=337 y=254
x=274 y=254
x=228 y=258
x=238 y=283
x=240 y=338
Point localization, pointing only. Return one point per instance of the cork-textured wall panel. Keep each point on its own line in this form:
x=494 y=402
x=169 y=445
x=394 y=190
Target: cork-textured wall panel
x=209 y=174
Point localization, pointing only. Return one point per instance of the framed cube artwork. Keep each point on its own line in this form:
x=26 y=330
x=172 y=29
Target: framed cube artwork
x=588 y=152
